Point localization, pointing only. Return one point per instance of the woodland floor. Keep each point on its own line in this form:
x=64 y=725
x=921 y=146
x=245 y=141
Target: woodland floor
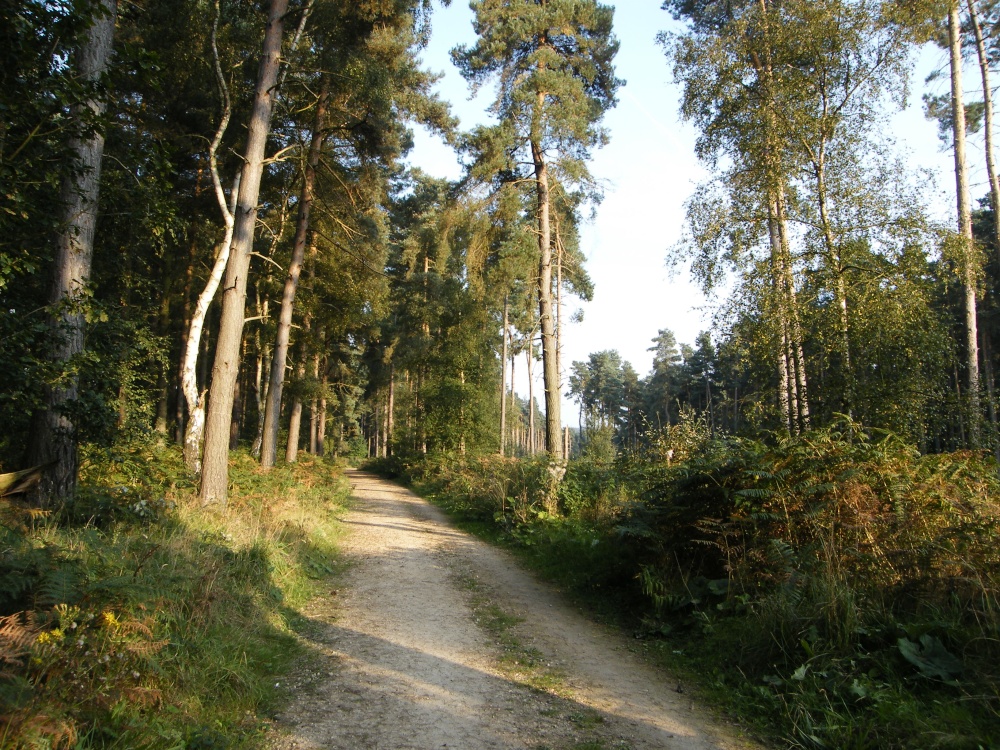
x=437 y=640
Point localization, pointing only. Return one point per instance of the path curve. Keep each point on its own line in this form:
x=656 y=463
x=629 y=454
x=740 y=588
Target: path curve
x=397 y=660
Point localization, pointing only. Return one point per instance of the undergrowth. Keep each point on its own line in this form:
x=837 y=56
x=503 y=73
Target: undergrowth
x=835 y=590
x=134 y=618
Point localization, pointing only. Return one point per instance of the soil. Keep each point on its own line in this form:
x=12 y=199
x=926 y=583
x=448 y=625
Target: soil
x=438 y=640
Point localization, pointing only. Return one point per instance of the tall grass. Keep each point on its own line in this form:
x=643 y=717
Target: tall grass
x=838 y=589
x=134 y=618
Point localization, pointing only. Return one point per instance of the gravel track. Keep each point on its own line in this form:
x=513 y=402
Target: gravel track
x=401 y=658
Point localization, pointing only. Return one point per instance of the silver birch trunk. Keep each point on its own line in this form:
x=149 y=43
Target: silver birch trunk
x=215 y=471
x=786 y=378
x=795 y=327
x=195 y=428
x=54 y=436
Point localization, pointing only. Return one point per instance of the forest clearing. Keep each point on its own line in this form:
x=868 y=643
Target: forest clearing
x=222 y=283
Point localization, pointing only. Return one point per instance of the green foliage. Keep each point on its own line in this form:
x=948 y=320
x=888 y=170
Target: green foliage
x=151 y=622
x=837 y=589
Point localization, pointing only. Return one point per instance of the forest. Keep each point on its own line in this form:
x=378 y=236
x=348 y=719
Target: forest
x=221 y=280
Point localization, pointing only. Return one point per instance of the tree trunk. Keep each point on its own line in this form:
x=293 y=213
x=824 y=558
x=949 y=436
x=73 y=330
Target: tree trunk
x=964 y=221
x=786 y=378
x=215 y=474
x=295 y=423
x=53 y=441
x=795 y=326
x=195 y=430
x=984 y=72
x=531 y=401
x=234 y=422
x=314 y=403
x=390 y=426
x=550 y=358
x=512 y=410
x=840 y=285
x=279 y=359
x=503 y=380
x=321 y=430
x=260 y=383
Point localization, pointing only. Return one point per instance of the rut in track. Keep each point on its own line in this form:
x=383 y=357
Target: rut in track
x=398 y=658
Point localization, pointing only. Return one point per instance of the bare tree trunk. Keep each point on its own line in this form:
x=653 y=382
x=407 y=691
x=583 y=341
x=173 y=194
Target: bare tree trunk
x=786 y=379
x=215 y=474
x=984 y=72
x=314 y=403
x=559 y=309
x=390 y=417
x=234 y=422
x=195 y=430
x=321 y=432
x=273 y=409
x=795 y=326
x=461 y=415
x=531 y=401
x=991 y=396
x=295 y=421
x=503 y=380
x=964 y=221
x=162 y=383
x=550 y=356
x=260 y=383
x=53 y=440
x=512 y=410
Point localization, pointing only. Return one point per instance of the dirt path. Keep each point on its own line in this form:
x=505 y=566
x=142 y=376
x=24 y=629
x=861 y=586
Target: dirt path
x=440 y=641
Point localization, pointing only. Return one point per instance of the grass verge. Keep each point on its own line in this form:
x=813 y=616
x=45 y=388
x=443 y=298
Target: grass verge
x=135 y=618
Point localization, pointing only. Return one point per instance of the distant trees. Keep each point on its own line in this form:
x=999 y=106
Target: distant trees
x=552 y=61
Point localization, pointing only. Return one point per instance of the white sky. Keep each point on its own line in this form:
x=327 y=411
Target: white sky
x=649 y=169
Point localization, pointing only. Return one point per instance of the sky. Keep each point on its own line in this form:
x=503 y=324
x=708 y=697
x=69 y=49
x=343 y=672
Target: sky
x=649 y=170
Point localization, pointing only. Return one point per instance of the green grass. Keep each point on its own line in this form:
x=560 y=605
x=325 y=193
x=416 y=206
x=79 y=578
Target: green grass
x=137 y=619
x=518 y=661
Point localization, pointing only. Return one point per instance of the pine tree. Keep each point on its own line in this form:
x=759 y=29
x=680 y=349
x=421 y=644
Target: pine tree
x=552 y=61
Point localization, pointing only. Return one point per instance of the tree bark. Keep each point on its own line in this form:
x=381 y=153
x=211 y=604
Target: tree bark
x=272 y=413
x=984 y=72
x=53 y=441
x=295 y=423
x=964 y=221
x=390 y=426
x=503 y=379
x=531 y=400
x=215 y=473
x=195 y=429
x=550 y=357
